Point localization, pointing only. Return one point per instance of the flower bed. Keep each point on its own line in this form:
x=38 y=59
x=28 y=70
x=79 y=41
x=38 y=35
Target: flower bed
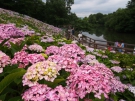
x=44 y=67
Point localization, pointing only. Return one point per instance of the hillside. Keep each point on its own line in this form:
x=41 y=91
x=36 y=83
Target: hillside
x=7 y=16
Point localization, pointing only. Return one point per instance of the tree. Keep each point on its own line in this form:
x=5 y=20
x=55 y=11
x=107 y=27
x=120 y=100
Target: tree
x=131 y=4
x=56 y=12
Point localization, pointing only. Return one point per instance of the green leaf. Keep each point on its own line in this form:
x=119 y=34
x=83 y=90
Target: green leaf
x=18 y=98
x=52 y=84
x=2 y=97
x=10 y=78
x=18 y=80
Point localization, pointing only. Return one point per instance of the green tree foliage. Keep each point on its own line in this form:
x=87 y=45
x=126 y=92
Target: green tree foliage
x=97 y=19
x=57 y=12
x=123 y=20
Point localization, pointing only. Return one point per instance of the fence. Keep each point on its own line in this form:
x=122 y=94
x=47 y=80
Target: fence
x=99 y=44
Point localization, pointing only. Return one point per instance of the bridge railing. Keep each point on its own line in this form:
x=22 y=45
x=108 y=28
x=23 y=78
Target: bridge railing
x=99 y=44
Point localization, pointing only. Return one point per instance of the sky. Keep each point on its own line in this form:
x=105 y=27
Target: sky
x=83 y=8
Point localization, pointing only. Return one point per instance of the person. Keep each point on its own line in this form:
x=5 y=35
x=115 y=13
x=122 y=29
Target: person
x=109 y=47
x=121 y=45
x=73 y=31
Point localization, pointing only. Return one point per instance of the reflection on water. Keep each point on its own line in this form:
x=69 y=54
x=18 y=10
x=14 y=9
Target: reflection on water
x=93 y=36
x=105 y=35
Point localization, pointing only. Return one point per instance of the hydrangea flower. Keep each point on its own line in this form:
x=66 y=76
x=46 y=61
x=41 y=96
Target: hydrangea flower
x=88 y=49
x=117 y=69
x=14 y=41
x=68 y=64
x=97 y=79
x=72 y=51
x=42 y=92
x=90 y=59
x=4 y=60
x=52 y=50
x=62 y=94
x=36 y=48
x=114 y=61
x=104 y=56
x=131 y=89
x=41 y=70
x=36 y=93
x=11 y=31
x=23 y=58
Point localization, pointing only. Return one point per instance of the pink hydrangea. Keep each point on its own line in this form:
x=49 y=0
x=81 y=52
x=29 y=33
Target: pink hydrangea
x=9 y=31
x=104 y=56
x=52 y=50
x=4 y=60
x=117 y=69
x=68 y=64
x=23 y=58
x=62 y=94
x=114 y=61
x=88 y=49
x=42 y=92
x=14 y=41
x=72 y=51
x=97 y=79
x=36 y=93
x=36 y=48
x=90 y=59
x=68 y=50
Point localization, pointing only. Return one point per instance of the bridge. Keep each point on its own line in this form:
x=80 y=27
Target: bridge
x=99 y=44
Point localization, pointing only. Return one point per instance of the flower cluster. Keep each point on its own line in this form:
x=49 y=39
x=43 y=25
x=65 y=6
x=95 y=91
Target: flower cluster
x=68 y=64
x=41 y=92
x=72 y=51
x=23 y=58
x=62 y=94
x=114 y=61
x=4 y=60
x=104 y=56
x=67 y=50
x=9 y=30
x=41 y=70
x=88 y=49
x=36 y=93
x=47 y=39
x=14 y=41
x=26 y=30
x=117 y=69
x=90 y=59
x=61 y=43
x=117 y=86
x=131 y=89
x=52 y=50
x=97 y=79
x=36 y=48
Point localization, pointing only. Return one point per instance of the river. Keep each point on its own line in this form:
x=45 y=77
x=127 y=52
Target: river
x=105 y=35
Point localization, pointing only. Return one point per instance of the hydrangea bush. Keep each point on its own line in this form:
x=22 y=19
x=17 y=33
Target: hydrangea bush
x=51 y=68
